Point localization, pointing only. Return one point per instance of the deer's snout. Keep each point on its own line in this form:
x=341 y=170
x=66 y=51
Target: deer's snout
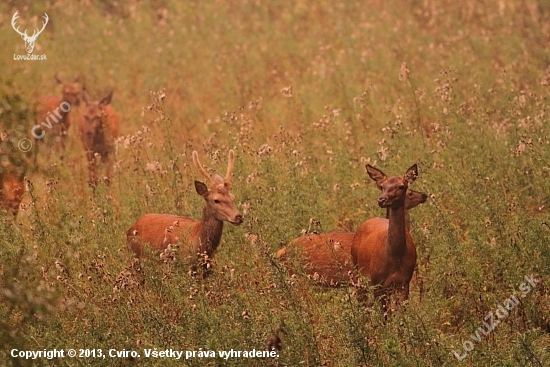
x=423 y=199
x=238 y=220
x=382 y=202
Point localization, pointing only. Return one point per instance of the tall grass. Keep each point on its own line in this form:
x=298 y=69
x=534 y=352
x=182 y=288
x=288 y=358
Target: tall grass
x=306 y=94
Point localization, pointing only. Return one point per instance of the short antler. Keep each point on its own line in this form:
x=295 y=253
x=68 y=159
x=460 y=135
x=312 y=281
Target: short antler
x=200 y=167
x=230 y=162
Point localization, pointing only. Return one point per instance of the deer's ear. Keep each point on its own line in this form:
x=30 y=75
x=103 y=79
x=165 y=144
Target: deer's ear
x=375 y=174
x=106 y=100
x=411 y=174
x=201 y=189
x=85 y=96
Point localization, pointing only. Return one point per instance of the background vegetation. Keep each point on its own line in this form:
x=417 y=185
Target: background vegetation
x=306 y=93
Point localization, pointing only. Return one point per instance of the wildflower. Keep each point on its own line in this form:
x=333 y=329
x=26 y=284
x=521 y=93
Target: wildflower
x=265 y=149
x=403 y=72
x=287 y=91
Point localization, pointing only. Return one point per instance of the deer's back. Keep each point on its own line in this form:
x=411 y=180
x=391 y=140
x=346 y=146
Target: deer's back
x=371 y=255
x=324 y=256
x=48 y=104
x=159 y=230
x=112 y=123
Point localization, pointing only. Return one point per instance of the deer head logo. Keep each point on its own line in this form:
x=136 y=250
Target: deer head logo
x=29 y=40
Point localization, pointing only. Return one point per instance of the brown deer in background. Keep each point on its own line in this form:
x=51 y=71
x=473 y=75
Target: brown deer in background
x=158 y=231
x=98 y=129
x=326 y=257
x=13 y=168
x=11 y=192
x=383 y=249
x=52 y=114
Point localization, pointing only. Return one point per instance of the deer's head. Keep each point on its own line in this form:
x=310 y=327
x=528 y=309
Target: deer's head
x=218 y=198
x=94 y=115
x=394 y=189
x=71 y=91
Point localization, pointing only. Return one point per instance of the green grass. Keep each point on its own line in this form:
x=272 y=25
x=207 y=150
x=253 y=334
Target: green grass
x=472 y=112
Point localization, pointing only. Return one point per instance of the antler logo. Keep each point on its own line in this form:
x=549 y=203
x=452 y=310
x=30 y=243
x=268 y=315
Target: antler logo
x=29 y=40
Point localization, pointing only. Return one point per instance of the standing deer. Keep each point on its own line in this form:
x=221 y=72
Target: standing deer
x=383 y=249
x=53 y=113
x=98 y=129
x=29 y=40
x=327 y=256
x=193 y=236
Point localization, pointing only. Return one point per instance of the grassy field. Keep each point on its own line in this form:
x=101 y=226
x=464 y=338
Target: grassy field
x=306 y=93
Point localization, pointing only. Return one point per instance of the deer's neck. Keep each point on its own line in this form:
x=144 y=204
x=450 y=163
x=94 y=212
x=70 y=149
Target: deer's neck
x=396 y=231
x=210 y=232
x=407 y=218
x=60 y=111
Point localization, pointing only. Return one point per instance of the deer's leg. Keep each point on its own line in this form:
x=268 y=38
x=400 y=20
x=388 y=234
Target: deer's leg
x=92 y=167
x=403 y=293
x=108 y=167
x=63 y=133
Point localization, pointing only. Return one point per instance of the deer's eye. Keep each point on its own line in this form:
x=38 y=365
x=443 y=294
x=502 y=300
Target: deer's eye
x=216 y=201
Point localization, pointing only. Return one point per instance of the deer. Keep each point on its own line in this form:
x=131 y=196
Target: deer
x=382 y=249
x=98 y=127
x=54 y=113
x=13 y=167
x=194 y=237
x=326 y=257
x=29 y=40
x=11 y=192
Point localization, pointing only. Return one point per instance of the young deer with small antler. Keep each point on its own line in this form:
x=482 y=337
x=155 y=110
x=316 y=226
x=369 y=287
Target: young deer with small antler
x=383 y=249
x=98 y=129
x=52 y=115
x=326 y=257
x=193 y=236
